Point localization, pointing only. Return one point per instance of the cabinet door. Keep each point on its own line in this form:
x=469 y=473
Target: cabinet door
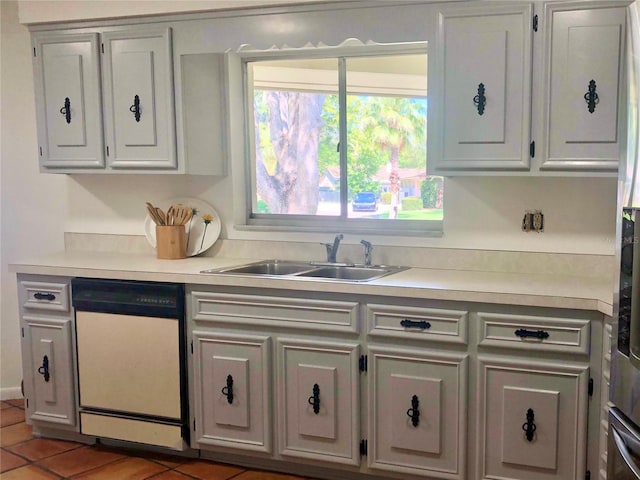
x=532 y=421
x=417 y=413
x=481 y=101
x=231 y=383
x=68 y=102
x=318 y=401
x=48 y=357
x=582 y=95
x=140 y=116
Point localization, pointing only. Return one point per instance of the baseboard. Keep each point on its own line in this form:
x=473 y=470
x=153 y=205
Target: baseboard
x=9 y=393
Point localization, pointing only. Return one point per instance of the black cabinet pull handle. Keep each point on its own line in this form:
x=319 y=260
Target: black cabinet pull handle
x=66 y=110
x=135 y=108
x=480 y=100
x=44 y=296
x=524 y=333
x=414 y=411
x=44 y=368
x=529 y=427
x=591 y=97
x=228 y=390
x=415 y=324
x=315 y=399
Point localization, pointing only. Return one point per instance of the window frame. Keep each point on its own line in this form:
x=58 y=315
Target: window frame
x=321 y=223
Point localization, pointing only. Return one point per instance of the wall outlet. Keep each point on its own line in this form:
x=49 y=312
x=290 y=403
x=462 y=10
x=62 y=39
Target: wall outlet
x=533 y=221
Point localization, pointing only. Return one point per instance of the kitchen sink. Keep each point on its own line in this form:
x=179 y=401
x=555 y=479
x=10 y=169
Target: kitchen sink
x=321 y=271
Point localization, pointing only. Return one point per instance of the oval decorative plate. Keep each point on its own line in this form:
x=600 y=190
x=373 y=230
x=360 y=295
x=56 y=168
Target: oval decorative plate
x=200 y=235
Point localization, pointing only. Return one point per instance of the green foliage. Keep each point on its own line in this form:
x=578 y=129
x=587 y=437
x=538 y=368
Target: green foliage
x=429 y=189
x=385 y=198
x=411 y=203
x=262 y=207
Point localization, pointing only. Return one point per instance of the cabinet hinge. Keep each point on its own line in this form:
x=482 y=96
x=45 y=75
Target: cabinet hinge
x=34 y=52
x=194 y=424
x=363 y=448
x=535 y=23
x=532 y=149
x=27 y=401
x=590 y=389
x=102 y=46
x=362 y=363
x=40 y=151
x=587 y=476
x=192 y=347
x=107 y=150
x=22 y=332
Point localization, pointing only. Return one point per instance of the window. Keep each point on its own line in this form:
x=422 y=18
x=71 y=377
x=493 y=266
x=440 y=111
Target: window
x=340 y=141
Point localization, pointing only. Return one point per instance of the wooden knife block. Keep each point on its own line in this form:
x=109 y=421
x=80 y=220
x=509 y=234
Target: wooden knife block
x=171 y=242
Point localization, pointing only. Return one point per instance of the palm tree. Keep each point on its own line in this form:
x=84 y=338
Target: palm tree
x=391 y=124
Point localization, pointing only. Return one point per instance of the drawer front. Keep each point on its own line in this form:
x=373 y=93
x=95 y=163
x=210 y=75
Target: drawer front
x=417 y=323
x=275 y=311
x=44 y=296
x=531 y=333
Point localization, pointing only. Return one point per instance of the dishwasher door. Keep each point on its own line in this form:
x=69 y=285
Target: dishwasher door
x=129 y=364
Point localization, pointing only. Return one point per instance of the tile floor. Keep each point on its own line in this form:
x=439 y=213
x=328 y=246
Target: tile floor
x=23 y=457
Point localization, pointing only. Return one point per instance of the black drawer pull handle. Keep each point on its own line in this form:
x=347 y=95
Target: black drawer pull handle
x=228 y=390
x=480 y=100
x=414 y=411
x=529 y=427
x=315 y=399
x=135 y=108
x=406 y=323
x=44 y=368
x=66 y=110
x=591 y=97
x=44 y=296
x=524 y=333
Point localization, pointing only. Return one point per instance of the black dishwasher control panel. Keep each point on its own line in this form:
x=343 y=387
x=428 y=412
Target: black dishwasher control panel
x=128 y=297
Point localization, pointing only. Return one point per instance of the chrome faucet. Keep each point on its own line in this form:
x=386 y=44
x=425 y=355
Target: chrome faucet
x=368 y=248
x=332 y=248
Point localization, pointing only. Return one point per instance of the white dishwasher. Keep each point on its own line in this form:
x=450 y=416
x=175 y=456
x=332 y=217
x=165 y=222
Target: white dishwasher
x=132 y=361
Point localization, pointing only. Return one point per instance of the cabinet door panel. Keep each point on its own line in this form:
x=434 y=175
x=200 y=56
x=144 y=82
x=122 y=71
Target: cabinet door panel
x=555 y=397
x=583 y=46
x=332 y=434
x=232 y=412
x=435 y=446
x=139 y=63
x=50 y=363
x=481 y=95
x=69 y=132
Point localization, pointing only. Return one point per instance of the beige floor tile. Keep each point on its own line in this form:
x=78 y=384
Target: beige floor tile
x=209 y=470
x=30 y=472
x=130 y=468
x=39 y=448
x=11 y=416
x=79 y=460
x=9 y=461
x=13 y=434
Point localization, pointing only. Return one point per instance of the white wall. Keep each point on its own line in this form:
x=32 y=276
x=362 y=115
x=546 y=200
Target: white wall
x=37 y=208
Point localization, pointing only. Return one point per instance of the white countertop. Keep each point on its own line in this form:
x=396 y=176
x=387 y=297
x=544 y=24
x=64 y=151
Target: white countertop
x=527 y=289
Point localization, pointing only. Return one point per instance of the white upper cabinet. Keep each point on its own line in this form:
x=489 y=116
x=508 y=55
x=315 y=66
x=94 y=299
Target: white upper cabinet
x=480 y=96
x=138 y=79
x=68 y=101
x=582 y=86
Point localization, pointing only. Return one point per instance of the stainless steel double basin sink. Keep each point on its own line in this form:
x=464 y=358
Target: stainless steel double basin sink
x=321 y=271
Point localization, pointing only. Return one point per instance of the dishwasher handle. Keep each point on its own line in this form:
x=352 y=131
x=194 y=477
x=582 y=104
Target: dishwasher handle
x=624 y=451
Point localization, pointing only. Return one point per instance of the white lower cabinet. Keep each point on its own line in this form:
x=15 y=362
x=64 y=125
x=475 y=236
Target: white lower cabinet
x=232 y=390
x=318 y=400
x=417 y=412
x=532 y=421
